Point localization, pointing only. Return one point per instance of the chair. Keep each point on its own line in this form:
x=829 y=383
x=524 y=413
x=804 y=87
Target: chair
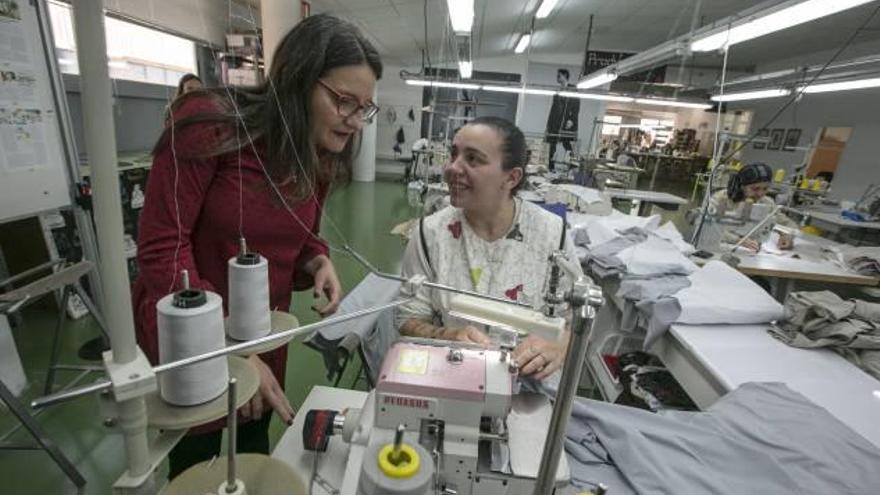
x=369 y=336
x=66 y=280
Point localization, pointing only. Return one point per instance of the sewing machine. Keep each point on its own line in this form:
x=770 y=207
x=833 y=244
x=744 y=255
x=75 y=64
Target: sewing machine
x=443 y=407
x=451 y=409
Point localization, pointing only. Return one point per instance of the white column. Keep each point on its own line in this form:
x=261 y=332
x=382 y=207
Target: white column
x=364 y=167
x=88 y=16
x=277 y=17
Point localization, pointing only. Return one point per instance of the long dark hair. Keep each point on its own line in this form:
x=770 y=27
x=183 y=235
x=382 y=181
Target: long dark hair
x=316 y=45
x=514 y=152
x=183 y=80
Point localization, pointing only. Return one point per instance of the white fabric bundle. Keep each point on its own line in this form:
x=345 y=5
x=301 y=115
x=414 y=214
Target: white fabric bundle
x=655 y=256
x=249 y=313
x=721 y=295
x=185 y=332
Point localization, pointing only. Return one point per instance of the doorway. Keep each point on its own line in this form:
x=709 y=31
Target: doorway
x=825 y=158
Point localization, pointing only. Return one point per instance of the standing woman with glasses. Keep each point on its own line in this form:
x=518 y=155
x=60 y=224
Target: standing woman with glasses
x=255 y=163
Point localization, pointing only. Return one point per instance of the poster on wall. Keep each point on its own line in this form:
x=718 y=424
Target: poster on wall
x=597 y=60
x=792 y=138
x=562 y=120
x=22 y=121
x=776 y=138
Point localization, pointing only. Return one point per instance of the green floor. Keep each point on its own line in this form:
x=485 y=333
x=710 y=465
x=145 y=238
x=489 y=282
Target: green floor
x=363 y=213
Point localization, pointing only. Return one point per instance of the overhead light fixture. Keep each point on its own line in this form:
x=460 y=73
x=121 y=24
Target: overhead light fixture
x=545 y=8
x=600 y=79
x=752 y=95
x=441 y=84
x=842 y=85
x=461 y=15
x=465 y=69
x=523 y=43
x=512 y=89
x=672 y=103
x=595 y=96
x=797 y=12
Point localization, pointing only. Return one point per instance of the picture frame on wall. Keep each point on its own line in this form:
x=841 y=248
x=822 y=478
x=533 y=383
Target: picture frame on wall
x=761 y=139
x=792 y=138
x=776 y=138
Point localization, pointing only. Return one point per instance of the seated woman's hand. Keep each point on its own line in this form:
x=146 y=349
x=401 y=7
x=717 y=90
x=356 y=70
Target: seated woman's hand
x=785 y=242
x=538 y=357
x=469 y=334
x=752 y=245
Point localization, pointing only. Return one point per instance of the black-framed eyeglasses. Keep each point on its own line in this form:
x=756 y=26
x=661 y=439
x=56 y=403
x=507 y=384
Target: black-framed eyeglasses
x=348 y=106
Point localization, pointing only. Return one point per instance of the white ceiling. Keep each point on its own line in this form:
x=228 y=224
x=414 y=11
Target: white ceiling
x=397 y=28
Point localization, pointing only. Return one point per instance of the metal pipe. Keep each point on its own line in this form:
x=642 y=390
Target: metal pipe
x=231 y=433
x=97 y=105
x=492 y=437
x=244 y=346
x=582 y=325
x=448 y=288
x=398 y=443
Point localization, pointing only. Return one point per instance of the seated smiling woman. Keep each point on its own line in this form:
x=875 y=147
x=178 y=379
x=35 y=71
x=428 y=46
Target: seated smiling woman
x=488 y=241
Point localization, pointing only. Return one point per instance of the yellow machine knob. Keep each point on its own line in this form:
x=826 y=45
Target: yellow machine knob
x=402 y=464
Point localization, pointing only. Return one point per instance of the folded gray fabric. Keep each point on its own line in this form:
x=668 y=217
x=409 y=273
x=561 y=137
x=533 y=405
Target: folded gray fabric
x=603 y=258
x=822 y=319
x=651 y=289
x=758 y=439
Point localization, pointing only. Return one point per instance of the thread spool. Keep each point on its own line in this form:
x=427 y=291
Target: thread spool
x=779 y=176
x=249 y=314
x=191 y=323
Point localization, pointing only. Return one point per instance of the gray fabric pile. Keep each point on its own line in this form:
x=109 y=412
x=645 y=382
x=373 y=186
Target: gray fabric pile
x=603 y=258
x=822 y=319
x=645 y=300
x=864 y=260
x=762 y=438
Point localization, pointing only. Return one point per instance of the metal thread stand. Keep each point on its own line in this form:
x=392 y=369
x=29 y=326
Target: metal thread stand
x=584 y=298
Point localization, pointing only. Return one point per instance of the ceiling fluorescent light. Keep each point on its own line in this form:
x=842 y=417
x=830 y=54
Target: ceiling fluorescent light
x=523 y=43
x=597 y=80
x=513 y=89
x=465 y=69
x=672 y=103
x=443 y=84
x=752 y=95
x=794 y=14
x=545 y=8
x=461 y=15
x=843 y=85
x=595 y=96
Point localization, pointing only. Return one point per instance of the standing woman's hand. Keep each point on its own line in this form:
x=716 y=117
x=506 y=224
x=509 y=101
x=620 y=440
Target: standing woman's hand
x=326 y=283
